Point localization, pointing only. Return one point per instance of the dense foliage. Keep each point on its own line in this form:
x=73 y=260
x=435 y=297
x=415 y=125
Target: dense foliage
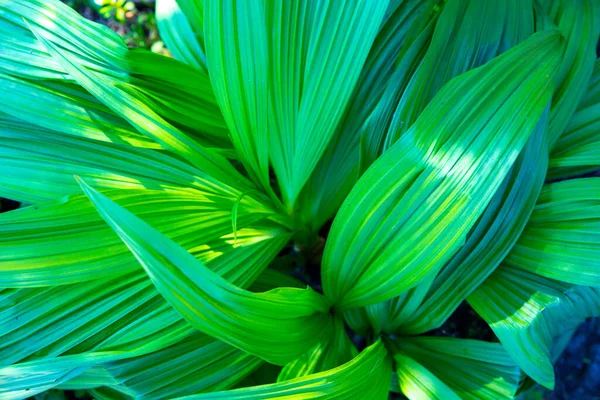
x=166 y=201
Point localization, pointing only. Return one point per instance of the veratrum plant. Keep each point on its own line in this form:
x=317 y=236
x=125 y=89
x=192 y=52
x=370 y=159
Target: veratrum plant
x=163 y=198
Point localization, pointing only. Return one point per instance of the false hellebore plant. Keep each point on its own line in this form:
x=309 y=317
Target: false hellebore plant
x=442 y=139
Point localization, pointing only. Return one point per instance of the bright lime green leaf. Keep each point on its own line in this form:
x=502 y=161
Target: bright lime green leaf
x=527 y=312
x=277 y=326
x=180 y=94
x=196 y=364
x=272 y=279
x=183 y=42
x=39 y=165
x=67 y=108
x=431 y=303
x=561 y=238
x=488 y=243
x=329 y=353
x=60 y=331
x=369 y=110
x=33 y=239
x=366 y=377
x=416 y=382
x=578 y=149
x=283 y=94
x=411 y=212
x=100 y=71
x=579 y=22
x=448 y=368
x=457 y=46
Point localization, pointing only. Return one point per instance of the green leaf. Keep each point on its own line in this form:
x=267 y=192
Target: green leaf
x=283 y=94
x=329 y=353
x=179 y=93
x=488 y=243
x=527 y=312
x=277 y=326
x=64 y=34
x=448 y=368
x=367 y=377
x=196 y=364
x=468 y=34
x=578 y=149
x=428 y=305
x=183 y=42
x=412 y=210
x=65 y=107
x=561 y=238
x=194 y=13
x=33 y=239
x=50 y=335
x=39 y=165
x=50 y=332
x=370 y=108
x=579 y=22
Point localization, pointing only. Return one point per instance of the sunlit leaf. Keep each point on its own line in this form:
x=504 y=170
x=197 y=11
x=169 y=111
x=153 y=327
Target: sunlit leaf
x=527 y=312
x=411 y=211
x=277 y=326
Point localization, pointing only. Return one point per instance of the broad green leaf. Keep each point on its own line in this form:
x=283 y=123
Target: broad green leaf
x=428 y=305
x=63 y=330
x=180 y=94
x=272 y=279
x=194 y=13
x=39 y=165
x=367 y=377
x=100 y=71
x=67 y=108
x=578 y=149
x=33 y=239
x=329 y=353
x=448 y=368
x=196 y=364
x=50 y=335
x=467 y=34
x=277 y=326
x=579 y=22
x=122 y=100
x=561 y=238
x=527 y=312
x=412 y=210
x=175 y=30
x=283 y=74
x=488 y=243
x=370 y=108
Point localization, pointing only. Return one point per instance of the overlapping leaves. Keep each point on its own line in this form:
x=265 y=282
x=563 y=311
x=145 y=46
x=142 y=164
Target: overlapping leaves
x=433 y=122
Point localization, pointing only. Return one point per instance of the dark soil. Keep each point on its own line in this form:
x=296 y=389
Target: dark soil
x=578 y=369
